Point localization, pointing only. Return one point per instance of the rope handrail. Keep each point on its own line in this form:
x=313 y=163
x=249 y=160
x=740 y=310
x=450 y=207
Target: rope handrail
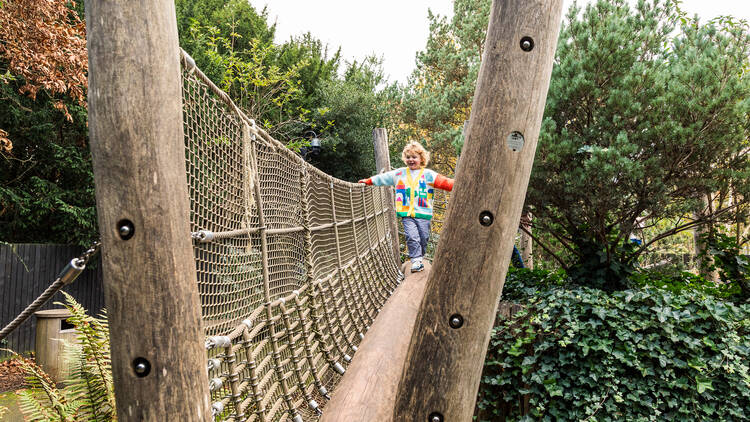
x=68 y=275
x=208 y=236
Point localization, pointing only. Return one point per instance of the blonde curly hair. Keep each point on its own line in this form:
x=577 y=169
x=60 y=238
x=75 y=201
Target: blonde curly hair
x=416 y=148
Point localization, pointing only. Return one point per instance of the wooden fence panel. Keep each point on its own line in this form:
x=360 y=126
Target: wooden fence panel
x=26 y=270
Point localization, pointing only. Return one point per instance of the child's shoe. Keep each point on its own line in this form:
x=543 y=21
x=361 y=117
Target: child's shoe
x=416 y=267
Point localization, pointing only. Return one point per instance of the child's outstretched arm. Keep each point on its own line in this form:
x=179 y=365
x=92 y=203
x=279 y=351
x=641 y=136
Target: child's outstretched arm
x=444 y=183
x=384 y=179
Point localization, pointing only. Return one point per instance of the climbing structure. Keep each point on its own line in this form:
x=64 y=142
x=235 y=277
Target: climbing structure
x=286 y=267
x=293 y=265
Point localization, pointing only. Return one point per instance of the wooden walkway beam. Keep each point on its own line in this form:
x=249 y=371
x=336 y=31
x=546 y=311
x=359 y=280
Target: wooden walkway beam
x=137 y=144
x=449 y=342
x=368 y=390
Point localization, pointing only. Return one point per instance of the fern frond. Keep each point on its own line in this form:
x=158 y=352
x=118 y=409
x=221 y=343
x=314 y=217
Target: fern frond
x=90 y=382
x=35 y=410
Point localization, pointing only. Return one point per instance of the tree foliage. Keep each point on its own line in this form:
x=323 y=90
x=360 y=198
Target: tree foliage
x=353 y=106
x=646 y=126
x=44 y=44
x=46 y=178
x=234 y=20
x=46 y=182
x=255 y=83
x=438 y=98
x=639 y=126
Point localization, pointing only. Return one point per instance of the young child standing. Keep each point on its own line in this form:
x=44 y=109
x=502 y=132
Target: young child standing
x=415 y=187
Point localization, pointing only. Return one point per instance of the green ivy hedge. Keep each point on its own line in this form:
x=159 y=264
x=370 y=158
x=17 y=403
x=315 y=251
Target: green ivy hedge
x=635 y=355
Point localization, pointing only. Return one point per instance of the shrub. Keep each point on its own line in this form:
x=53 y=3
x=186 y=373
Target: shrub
x=684 y=281
x=523 y=284
x=634 y=355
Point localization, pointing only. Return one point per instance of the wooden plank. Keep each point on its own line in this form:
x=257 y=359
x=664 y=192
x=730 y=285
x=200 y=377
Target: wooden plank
x=444 y=364
x=367 y=392
x=383 y=164
x=137 y=144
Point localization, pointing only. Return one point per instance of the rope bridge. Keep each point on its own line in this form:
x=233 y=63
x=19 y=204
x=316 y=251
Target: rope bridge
x=293 y=265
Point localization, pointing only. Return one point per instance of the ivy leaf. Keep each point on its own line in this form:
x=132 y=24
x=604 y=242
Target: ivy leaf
x=552 y=388
x=703 y=383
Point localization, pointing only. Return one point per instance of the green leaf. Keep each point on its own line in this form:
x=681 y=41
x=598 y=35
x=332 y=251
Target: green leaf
x=703 y=384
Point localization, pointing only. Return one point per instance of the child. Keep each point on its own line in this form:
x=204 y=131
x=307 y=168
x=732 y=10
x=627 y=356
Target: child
x=414 y=192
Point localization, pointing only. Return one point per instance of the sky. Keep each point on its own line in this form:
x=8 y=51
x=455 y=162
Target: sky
x=396 y=29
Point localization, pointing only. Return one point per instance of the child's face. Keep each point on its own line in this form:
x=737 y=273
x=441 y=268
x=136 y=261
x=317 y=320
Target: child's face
x=413 y=160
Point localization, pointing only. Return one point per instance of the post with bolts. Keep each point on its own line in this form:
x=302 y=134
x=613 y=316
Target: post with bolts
x=137 y=144
x=383 y=164
x=444 y=362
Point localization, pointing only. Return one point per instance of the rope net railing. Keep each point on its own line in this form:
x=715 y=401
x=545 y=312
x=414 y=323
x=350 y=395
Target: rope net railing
x=292 y=264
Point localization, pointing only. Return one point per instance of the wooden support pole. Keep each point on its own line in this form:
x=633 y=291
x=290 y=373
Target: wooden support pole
x=137 y=144
x=450 y=337
x=383 y=164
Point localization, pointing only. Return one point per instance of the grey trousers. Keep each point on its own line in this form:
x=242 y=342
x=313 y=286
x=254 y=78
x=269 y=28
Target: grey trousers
x=417 y=232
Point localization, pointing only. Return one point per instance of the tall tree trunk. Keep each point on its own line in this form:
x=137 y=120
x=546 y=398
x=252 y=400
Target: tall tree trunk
x=703 y=259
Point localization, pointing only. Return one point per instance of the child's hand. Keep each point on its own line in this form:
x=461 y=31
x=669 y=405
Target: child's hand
x=365 y=181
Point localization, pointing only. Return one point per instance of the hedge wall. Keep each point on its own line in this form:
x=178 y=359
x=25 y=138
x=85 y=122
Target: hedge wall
x=635 y=355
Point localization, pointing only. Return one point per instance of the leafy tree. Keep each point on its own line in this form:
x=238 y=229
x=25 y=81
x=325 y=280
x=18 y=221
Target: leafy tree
x=44 y=44
x=353 y=107
x=234 y=20
x=639 y=127
x=275 y=85
x=440 y=91
x=646 y=126
x=317 y=67
x=46 y=180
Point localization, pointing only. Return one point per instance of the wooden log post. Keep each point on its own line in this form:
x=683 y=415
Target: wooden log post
x=137 y=144
x=383 y=164
x=450 y=337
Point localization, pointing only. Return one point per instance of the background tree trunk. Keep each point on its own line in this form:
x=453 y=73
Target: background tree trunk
x=526 y=241
x=703 y=260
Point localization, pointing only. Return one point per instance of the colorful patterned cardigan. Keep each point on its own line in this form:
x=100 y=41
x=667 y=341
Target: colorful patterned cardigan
x=413 y=195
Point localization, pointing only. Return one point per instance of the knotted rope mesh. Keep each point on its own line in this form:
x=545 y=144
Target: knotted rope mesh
x=293 y=265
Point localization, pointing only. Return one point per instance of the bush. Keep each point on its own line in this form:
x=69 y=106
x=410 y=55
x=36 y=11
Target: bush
x=523 y=284
x=684 y=281
x=634 y=355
